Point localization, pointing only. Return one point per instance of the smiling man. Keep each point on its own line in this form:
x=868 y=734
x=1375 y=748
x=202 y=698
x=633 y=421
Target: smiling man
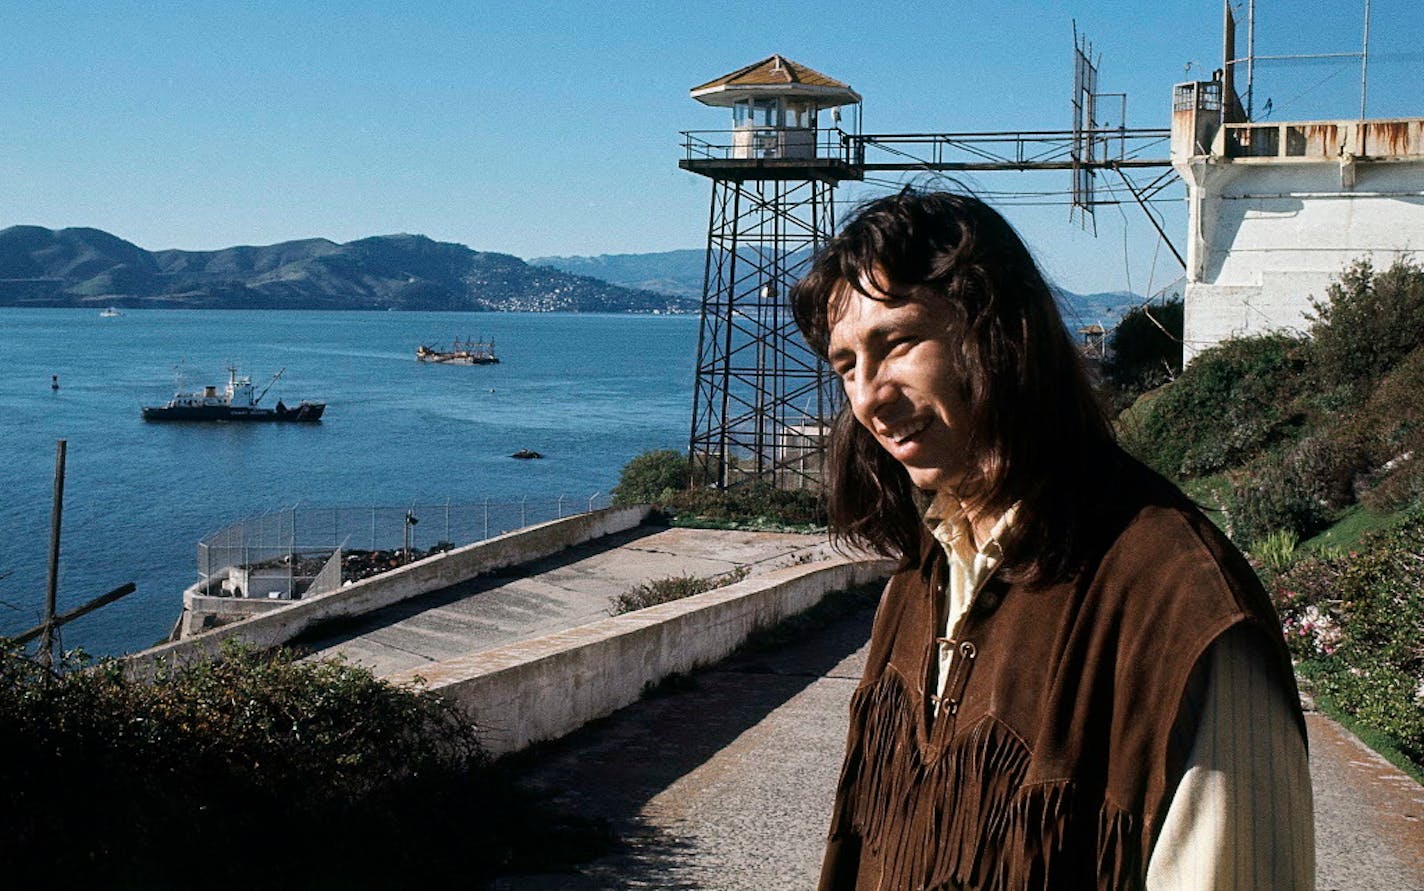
x=1074 y=680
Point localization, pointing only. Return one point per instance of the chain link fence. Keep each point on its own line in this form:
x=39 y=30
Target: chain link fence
x=307 y=550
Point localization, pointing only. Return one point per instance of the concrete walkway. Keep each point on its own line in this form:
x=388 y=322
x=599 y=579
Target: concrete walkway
x=570 y=588
x=727 y=786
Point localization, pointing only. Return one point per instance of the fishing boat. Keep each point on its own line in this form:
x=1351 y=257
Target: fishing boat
x=461 y=352
x=235 y=402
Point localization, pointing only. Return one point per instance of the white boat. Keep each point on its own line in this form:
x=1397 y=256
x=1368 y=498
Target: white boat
x=110 y=313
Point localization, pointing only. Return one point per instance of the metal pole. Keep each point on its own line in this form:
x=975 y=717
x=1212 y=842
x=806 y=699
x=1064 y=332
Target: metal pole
x=1365 y=62
x=46 y=653
x=1250 y=57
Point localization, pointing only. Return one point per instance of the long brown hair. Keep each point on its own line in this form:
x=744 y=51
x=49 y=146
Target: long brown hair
x=1036 y=434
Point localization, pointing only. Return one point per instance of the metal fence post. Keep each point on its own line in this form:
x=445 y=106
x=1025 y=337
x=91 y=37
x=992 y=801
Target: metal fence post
x=523 y=512
x=447 y=520
x=561 y=507
x=486 y=535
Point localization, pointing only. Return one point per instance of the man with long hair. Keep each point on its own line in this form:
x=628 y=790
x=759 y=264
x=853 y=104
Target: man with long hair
x=1074 y=680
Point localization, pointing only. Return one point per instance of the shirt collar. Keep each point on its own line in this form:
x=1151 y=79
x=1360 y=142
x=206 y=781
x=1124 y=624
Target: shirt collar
x=948 y=521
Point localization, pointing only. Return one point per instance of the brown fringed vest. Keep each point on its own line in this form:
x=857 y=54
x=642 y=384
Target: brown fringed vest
x=1051 y=762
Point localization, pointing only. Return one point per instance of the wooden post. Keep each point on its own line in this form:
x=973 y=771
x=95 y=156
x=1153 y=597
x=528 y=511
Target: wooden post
x=46 y=654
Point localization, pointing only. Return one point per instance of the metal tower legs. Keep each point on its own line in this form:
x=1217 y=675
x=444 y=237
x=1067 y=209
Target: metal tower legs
x=763 y=400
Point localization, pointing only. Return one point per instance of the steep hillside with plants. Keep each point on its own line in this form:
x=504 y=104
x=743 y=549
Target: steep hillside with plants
x=1313 y=450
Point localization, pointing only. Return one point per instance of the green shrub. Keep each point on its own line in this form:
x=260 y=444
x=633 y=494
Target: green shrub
x=336 y=777
x=666 y=590
x=1230 y=405
x=1366 y=325
x=646 y=477
x=1141 y=355
x=753 y=505
x=1269 y=496
x=1276 y=551
x=1394 y=420
x=1354 y=621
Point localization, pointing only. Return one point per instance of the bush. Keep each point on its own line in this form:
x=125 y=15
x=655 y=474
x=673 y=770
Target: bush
x=1231 y=404
x=1269 y=496
x=649 y=476
x=1354 y=621
x=755 y=505
x=1367 y=324
x=1141 y=355
x=146 y=784
x=666 y=590
x=1394 y=420
x=1276 y=551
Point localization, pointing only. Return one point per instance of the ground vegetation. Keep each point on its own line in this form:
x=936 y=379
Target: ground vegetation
x=1310 y=451
x=251 y=770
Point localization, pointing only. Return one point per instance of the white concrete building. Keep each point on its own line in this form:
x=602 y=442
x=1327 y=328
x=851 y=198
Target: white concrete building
x=1277 y=210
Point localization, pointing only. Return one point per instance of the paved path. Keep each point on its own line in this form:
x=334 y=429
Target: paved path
x=726 y=786
x=570 y=588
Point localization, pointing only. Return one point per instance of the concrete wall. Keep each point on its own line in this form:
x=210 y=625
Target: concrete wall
x=1268 y=234
x=544 y=688
x=1268 y=238
x=276 y=627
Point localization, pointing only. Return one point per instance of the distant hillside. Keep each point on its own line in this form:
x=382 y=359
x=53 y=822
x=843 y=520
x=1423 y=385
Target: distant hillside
x=89 y=267
x=680 y=273
x=1105 y=308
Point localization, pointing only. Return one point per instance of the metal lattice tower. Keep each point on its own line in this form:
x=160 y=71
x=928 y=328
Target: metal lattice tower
x=762 y=397
x=763 y=400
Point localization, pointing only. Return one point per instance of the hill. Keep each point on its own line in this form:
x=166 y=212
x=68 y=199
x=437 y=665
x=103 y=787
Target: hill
x=89 y=267
x=679 y=273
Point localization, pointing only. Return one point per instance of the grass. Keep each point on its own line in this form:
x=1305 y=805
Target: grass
x=1346 y=533
x=1208 y=491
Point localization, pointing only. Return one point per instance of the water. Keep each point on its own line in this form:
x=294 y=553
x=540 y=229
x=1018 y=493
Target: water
x=587 y=391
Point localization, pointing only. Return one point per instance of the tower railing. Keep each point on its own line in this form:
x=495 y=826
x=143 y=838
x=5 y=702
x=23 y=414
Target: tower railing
x=769 y=143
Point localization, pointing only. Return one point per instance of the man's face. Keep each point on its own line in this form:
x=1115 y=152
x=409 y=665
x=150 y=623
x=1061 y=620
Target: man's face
x=894 y=357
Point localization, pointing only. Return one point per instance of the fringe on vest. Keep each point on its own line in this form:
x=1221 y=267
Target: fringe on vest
x=965 y=819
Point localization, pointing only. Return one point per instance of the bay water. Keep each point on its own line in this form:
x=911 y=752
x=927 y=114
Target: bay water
x=586 y=391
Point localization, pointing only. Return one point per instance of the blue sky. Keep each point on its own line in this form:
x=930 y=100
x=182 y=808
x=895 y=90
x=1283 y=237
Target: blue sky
x=539 y=128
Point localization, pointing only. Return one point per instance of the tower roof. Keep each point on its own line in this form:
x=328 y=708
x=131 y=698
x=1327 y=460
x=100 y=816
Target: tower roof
x=775 y=75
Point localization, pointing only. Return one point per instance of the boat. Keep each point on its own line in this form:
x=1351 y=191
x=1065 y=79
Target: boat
x=110 y=313
x=234 y=403
x=461 y=352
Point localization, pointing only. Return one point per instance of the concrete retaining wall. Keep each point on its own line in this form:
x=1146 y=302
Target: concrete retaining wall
x=274 y=628
x=544 y=688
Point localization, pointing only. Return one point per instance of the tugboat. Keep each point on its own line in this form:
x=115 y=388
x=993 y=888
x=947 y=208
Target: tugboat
x=234 y=403
x=461 y=352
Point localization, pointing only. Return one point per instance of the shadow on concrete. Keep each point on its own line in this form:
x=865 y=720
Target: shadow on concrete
x=332 y=633
x=611 y=768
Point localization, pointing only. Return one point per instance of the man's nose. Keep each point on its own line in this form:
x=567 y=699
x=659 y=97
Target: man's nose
x=872 y=393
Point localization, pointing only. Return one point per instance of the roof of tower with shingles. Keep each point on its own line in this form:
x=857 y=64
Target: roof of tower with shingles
x=774 y=70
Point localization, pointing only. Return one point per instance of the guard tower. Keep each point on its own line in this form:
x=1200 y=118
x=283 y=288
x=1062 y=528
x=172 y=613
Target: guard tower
x=763 y=400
